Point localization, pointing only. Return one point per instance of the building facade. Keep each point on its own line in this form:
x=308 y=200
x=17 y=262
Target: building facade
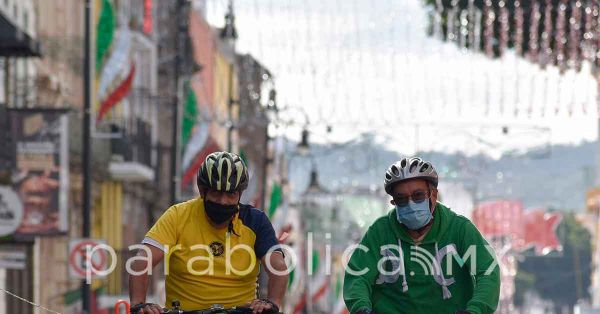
x=139 y=49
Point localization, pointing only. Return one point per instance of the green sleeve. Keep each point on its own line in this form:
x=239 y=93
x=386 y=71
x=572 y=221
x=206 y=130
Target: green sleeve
x=486 y=292
x=358 y=288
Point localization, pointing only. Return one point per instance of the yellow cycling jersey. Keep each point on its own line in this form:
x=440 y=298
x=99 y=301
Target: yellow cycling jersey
x=207 y=266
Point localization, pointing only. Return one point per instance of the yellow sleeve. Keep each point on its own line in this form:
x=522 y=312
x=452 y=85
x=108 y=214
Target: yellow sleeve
x=165 y=229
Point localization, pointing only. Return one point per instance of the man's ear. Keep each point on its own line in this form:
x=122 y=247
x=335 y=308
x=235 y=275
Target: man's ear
x=434 y=194
x=392 y=202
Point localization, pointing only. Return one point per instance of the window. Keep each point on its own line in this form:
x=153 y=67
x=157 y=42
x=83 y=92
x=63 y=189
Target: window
x=2 y=80
x=26 y=21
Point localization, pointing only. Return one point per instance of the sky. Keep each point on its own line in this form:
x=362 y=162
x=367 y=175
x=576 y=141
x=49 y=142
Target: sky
x=346 y=67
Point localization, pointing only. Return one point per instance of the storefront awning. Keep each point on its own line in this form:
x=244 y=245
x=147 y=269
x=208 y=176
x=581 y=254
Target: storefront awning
x=14 y=42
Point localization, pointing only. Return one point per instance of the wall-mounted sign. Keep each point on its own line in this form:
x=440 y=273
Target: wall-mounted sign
x=11 y=211
x=42 y=170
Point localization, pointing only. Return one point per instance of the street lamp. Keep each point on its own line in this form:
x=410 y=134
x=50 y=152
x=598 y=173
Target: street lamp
x=272 y=102
x=303 y=146
x=229 y=31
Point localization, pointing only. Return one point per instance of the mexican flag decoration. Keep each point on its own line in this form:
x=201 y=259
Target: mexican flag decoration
x=105 y=31
x=113 y=61
x=275 y=200
x=195 y=133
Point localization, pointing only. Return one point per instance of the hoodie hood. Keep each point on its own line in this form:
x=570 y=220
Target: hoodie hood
x=442 y=218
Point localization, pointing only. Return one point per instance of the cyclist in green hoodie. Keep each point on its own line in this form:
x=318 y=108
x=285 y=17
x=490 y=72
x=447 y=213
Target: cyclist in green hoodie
x=421 y=257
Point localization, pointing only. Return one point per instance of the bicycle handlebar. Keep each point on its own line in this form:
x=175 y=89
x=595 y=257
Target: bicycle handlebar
x=219 y=310
x=216 y=310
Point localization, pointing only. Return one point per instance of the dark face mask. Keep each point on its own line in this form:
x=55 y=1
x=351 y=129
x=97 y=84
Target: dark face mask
x=219 y=213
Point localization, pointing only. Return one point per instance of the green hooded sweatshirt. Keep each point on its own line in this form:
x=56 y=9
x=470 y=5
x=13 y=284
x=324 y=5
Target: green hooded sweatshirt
x=453 y=268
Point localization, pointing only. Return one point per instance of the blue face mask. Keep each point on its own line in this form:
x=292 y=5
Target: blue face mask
x=414 y=215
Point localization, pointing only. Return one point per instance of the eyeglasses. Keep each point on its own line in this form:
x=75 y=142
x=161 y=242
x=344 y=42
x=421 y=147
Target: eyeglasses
x=418 y=196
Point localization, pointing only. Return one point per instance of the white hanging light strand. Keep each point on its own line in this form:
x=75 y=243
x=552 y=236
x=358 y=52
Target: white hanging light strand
x=27 y=301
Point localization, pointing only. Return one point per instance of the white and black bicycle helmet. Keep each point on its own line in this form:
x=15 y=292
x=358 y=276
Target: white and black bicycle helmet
x=410 y=168
x=223 y=171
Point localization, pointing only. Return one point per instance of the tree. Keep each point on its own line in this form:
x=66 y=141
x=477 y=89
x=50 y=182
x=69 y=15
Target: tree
x=565 y=278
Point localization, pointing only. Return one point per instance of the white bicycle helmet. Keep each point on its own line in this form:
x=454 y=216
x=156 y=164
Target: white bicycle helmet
x=410 y=168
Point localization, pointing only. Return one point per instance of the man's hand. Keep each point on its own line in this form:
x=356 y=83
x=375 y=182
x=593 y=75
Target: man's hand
x=146 y=308
x=263 y=306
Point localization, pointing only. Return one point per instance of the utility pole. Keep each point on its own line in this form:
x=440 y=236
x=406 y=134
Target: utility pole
x=86 y=156
x=596 y=243
x=180 y=38
x=230 y=33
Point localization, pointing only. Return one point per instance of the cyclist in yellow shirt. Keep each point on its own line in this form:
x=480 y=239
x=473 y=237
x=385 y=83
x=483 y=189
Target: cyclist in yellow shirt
x=212 y=246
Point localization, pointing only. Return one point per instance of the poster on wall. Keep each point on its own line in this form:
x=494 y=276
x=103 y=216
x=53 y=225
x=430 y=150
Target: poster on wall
x=41 y=174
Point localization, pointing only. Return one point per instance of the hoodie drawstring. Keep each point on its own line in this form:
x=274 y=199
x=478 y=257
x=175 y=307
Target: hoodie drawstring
x=440 y=277
x=437 y=268
x=402 y=268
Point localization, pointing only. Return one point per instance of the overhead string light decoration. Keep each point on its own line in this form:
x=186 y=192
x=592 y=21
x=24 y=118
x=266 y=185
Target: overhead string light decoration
x=533 y=53
x=311 y=45
x=587 y=48
x=546 y=50
x=560 y=38
x=518 y=38
x=488 y=41
x=329 y=71
x=596 y=57
x=504 y=28
x=439 y=79
x=437 y=20
x=474 y=40
x=558 y=56
x=575 y=42
x=464 y=29
x=359 y=56
x=455 y=84
x=464 y=32
x=502 y=45
x=596 y=39
x=475 y=27
x=518 y=44
x=534 y=26
x=588 y=45
x=393 y=62
x=452 y=16
x=488 y=34
x=335 y=69
x=323 y=65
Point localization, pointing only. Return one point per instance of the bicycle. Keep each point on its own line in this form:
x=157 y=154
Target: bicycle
x=214 y=309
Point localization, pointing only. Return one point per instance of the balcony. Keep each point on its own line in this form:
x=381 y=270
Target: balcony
x=132 y=153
